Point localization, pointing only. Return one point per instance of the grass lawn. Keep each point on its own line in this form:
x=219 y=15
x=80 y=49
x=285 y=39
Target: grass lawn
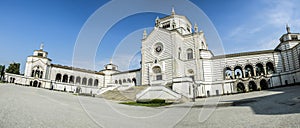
x=148 y=103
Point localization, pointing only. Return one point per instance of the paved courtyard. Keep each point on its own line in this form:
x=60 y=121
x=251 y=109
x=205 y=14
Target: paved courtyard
x=22 y=106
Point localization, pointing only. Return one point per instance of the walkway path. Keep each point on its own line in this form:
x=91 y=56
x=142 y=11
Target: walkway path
x=22 y=106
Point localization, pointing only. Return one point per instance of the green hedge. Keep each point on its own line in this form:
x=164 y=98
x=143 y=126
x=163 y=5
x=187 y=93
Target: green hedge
x=151 y=101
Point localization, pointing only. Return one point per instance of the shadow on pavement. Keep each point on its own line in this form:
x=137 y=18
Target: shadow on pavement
x=287 y=102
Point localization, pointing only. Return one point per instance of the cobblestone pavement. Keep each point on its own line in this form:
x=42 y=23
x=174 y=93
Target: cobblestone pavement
x=22 y=106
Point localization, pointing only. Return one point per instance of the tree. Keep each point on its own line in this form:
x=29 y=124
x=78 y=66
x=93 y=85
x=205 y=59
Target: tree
x=13 y=68
x=2 y=68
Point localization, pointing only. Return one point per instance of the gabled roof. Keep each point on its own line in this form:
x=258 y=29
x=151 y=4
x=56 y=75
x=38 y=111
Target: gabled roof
x=174 y=30
x=175 y=16
x=76 y=69
x=129 y=71
x=40 y=57
x=243 y=54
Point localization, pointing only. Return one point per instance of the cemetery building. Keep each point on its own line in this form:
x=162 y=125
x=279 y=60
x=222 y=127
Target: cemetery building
x=175 y=62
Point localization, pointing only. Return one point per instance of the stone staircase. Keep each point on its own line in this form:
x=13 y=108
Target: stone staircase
x=126 y=95
x=158 y=92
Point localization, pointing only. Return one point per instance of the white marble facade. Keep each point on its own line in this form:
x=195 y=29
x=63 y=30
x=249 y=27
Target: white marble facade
x=175 y=54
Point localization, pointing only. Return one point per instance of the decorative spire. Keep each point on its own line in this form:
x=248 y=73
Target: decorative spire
x=288 y=29
x=110 y=61
x=173 y=11
x=157 y=21
x=157 y=18
x=42 y=46
x=145 y=34
x=196 y=27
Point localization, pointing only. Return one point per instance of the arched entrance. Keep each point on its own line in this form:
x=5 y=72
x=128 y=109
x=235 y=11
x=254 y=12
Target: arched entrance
x=58 y=77
x=65 y=78
x=134 y=81
x=71 y=80
x=78 y=89
x=35 y=83
x=39 y=85
x=240 y=87
x=96 y=82
x=208 y=94
x=51 y=86
x=264 y=84
x=78 y=80
x=252 y=86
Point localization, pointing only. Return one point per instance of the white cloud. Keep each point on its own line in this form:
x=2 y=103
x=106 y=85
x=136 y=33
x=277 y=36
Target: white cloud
x=264 y=26
x=279 y=12
x=236 y=31
x=267 y=44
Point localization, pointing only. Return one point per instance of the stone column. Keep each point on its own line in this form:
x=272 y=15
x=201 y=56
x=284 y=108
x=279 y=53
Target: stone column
x=265 y=70
x=233 y=76
x=254 y=71
x=244 y=75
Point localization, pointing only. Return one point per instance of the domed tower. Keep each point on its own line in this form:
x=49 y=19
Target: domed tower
x=172 y=50
x=174 y=22
x=108 y=70
x=288 y=41
x=38 y=64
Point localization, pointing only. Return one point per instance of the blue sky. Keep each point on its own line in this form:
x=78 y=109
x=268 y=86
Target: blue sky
x=242 y=26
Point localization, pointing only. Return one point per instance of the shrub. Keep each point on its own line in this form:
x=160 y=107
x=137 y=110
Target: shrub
x=151 y=101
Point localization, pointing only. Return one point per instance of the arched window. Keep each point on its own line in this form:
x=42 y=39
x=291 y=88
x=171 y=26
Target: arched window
x=65 y=78
x=116 y=81
x=259 y=69
x=58 y=77
x=96 y=82
x=227 y=73
x=78 y=80
x=189 y=54
x=71 y=80
x=238 y=72
x=120 y=81
x=90 y=83
x=157 y=71
x=249 y=71
x=129 y=80
x=32 y=73
x=270 y=68
x=37 y=72
x=84 y=81
x=41 y=74
x=124 y=80
x=203 y=45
